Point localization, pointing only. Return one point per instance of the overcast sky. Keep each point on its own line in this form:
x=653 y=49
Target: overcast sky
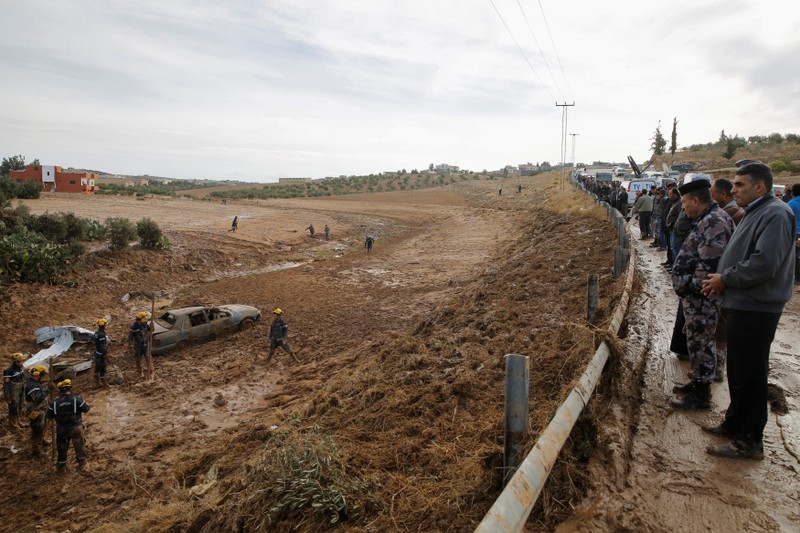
x=259 y=89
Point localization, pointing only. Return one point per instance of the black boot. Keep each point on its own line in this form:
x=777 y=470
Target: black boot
x=698 y=398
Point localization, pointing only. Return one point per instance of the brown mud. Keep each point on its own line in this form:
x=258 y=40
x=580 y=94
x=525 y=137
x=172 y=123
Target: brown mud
x=401 y=357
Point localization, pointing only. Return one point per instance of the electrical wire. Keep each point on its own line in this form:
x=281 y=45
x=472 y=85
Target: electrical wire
x=552 y=76
x=555 y=50
x=521 y=51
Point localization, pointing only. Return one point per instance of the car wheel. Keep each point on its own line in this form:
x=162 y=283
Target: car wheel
x=247 y=323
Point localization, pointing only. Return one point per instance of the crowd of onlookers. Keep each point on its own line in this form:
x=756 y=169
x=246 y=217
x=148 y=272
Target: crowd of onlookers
x=732 y=248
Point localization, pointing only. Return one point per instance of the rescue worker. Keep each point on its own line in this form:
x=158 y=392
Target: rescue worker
x=67 y=410
x=139 y=339
x=698 y=257
x=100 y=352
x=37 y=396
x=13 y=384
x=279 y=336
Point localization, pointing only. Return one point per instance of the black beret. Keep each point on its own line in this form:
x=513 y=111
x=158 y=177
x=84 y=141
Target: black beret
x=694 y=185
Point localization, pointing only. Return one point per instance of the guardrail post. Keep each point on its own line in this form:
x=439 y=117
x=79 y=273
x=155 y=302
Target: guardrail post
x=619 y=260
x=593 y=297
x=516 y=408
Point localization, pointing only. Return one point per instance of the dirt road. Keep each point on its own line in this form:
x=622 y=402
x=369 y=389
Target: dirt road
x=654 y=474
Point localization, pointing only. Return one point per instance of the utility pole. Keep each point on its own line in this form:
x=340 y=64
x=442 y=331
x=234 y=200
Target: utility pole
x=573 y=148
x=564 y=107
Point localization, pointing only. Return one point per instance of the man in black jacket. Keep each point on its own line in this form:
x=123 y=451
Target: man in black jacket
x=36 y=398
x=67 y=410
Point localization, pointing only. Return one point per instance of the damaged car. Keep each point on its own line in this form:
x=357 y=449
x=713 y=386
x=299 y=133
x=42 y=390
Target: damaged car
x=180 y=328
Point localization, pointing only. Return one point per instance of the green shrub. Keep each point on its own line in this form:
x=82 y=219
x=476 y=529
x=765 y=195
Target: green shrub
x=95 y=231
x=28 y=189
x=28 y=257
x=149 y=234
x=51 y=226
x=120 y=232
x=777 y=166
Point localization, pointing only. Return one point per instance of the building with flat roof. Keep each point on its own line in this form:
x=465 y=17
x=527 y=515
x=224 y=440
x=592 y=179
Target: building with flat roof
x=54 y=179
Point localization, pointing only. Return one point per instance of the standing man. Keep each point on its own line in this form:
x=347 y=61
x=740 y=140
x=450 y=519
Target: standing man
x=721 y=192
x=310 y=229
x=327 y=233
x=622 y=200
x=643 y=207
x=368 y=243
x=139 y=339
x=794 y=204
x=67 y=410
x=100 y=352
x=279 y=336
x=754 y=278
x=699 y=257
x=13 y=384
x=36 y=396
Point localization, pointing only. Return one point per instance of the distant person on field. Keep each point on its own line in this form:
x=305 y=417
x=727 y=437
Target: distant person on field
x=235 y=224
x=368 y=243
x=279 y=336
x=310 y=229
x=327 y=233
x=754 y=278
x=699 y=257
x=794 y=204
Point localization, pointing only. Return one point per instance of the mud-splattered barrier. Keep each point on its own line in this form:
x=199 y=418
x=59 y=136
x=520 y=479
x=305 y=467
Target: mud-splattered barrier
x=511 y=509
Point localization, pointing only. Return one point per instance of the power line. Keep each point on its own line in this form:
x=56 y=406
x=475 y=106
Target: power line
x=540 y=48
x=521 y=51
x=554 y=49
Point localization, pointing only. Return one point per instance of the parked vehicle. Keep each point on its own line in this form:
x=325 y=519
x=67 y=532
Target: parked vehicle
x=603 y=176
x=682 y=167
x=636 y=185
x=692 y=176
x=620 y=172
x=663 y=181
x=183 y=327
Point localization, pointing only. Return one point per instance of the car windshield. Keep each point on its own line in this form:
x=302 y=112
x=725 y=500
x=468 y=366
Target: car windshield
x=167 y=319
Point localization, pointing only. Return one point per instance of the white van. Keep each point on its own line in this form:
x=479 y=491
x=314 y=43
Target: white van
x=636 y=185
x=692 y=176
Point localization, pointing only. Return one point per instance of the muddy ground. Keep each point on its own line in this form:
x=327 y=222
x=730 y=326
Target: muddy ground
x=401 y=358
x=400 y=380
x=652 y=473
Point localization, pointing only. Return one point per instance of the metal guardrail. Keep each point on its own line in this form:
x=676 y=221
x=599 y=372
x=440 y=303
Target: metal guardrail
x=511 y=509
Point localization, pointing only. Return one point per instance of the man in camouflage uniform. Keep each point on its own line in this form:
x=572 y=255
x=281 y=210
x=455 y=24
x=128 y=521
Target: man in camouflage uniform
x=36 y=396
x=698 y=257
x=139 y=339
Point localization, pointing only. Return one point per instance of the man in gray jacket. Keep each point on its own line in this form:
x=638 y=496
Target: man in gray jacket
x=754 y=277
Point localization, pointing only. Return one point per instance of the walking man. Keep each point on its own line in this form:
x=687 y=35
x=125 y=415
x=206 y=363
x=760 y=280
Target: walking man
x=139 y=339
x=13 y=383
x=698 y=257
x=37 y=396
x=754 y=278
x=279 y=336
x=310 y=229
x=100 y=352
x=327 y=233
x=235 y=223
x=368 y=244
x=67 y=410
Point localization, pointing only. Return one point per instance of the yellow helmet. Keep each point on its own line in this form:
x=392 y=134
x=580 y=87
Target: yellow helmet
x=19 y=356
x=66 y=384
x=102 y=322
x=38 y=370
x=278 y=311
x=141 y=315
